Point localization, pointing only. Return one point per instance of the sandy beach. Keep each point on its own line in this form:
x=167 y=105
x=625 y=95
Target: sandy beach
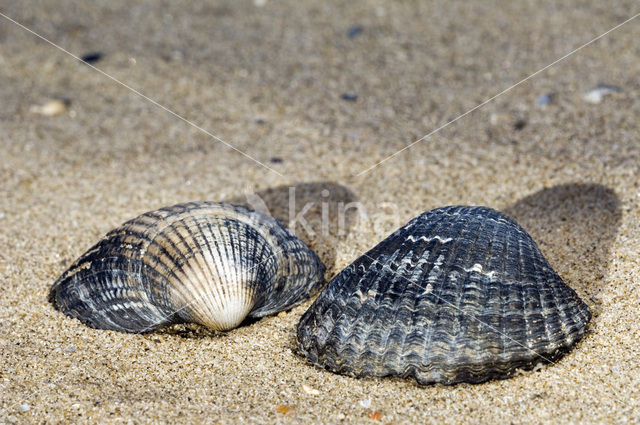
x=301 y=108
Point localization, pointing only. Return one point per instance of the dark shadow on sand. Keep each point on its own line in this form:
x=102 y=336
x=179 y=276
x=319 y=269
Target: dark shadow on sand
x=196 y=331
x=318 y=213
x=574 y=225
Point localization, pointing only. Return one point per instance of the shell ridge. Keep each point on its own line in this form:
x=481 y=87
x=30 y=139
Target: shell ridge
x=205 y=276
x=231 y=278
x=243 y=251
x=430 y=333
x=214 y=275
x=261 y=271
x=547 y=310
x=458 y=336
x=157 y=256
x=530 y=343
x=226 y=263
x=246 y=286
x=191 y=310
x=114 y=298
x=408 y=350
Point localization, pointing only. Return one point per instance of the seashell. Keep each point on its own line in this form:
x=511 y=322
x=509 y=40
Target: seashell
x=458 y=294
x=598 y=93
x=201 y=262
x=51 y=108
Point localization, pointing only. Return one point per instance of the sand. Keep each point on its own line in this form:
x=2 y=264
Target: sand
x=268 y=79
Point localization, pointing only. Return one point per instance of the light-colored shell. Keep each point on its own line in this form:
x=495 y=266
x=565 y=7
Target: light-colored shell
x=459 y=294
x=202 y=262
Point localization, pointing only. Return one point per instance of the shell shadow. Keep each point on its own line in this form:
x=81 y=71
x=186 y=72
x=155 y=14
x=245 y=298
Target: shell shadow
x=196 y=331
x=189 y=331
x=321 y=213
x=574 y=225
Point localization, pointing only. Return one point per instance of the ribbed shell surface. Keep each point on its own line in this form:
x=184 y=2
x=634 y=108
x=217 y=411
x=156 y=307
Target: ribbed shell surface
x=203 y=262
x=458 y=294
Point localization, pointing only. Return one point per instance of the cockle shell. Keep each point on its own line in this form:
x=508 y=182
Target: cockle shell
x=459 y=294
x=201 y=262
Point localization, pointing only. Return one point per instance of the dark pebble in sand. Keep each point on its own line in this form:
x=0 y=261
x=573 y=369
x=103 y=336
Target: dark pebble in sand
x=519 y=125
x=276 y=160
x=350 y=97
x=354 y=31
x=260 y=121
x=92 y=57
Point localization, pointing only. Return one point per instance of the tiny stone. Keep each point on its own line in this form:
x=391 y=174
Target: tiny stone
x=596 y=94
x=354 y=31
x=24 y=407
x=284 y=409
x=376 y=416
x=310 y=390
x=350 y=97
x=545 y=99
x=51 y=108
x=519 y=124
x=259 y=3
x=366 y=403
x=92 y=57
x=275 y=160
x=260 y=121
x=499 y=118
x=282 y=314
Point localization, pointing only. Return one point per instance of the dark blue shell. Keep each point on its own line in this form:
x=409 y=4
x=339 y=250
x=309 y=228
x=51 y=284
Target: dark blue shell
x=458 y=294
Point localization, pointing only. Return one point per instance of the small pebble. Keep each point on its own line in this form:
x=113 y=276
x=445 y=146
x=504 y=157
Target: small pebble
x=376 y=416
x=596 y=94
x=51 y=108
x=366 y=403
x=275 y=160
x=92 y=57
x=499 y=118
x=284 y=409
x=519 y=124
x=545 y=99
x=260 y=121
x=354 y=31
x=24 y=407
x=350 y=97
x=310 y=390
x=259 y=3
